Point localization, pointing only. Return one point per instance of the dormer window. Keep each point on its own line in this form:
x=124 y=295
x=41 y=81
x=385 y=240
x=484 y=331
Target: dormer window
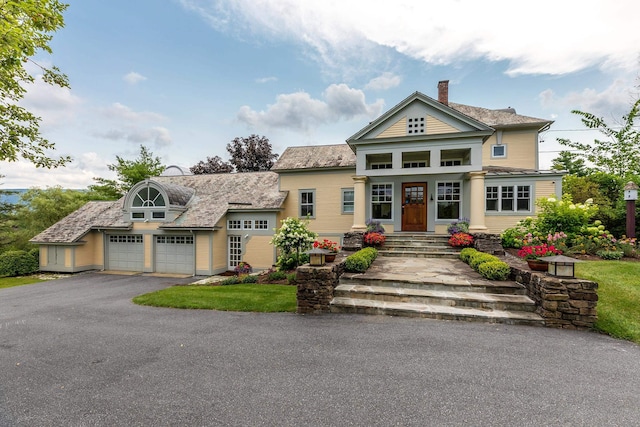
x=147 y=204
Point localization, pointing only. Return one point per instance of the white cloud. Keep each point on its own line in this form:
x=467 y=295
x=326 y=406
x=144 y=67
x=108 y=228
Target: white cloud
x=118 y=111
x=569 y=37
x=133 y=78
x=615 y=100
x=263 y=80
x=385 y=81
x=299 y=111
x=55 y=105
x=159 y=136
x=78 y=174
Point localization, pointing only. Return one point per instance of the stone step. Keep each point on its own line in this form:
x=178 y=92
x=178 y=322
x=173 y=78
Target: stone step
x=437 y=297
x=440 y=312
x=436 y=284
x=419 y=247
x=418 y=254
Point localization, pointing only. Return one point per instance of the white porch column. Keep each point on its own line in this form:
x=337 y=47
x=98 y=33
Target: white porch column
x=476 y=213
x=359 y=203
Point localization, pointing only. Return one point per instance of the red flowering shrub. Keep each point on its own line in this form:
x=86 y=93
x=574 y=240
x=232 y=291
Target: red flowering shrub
x=327 y=245
x=461 y=240
x=533 y=252
x=374 y=239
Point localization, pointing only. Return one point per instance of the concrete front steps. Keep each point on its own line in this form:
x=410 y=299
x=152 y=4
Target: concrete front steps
x=479 y=301
x=419 y=245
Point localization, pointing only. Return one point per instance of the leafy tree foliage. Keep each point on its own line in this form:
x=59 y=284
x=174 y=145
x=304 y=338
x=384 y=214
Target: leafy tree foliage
x=26 y=27
x=213 y=165
x=38 y=209
x=129 y=173
x=570 y=162
x=252 y=153
x=619 y=154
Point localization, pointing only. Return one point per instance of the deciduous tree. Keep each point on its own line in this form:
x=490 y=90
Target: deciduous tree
x=213 y=165
x=252 y=153
x=129 y=173
x=619 y=153
x=26 y=28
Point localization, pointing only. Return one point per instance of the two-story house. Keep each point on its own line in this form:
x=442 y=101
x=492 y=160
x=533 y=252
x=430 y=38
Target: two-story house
x=416 y=168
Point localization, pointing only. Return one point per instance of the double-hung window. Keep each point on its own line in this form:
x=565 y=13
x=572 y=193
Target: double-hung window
x=347 y=200
x=381 y=201
x=449 y=199
x=508 y=198
x=307 y=203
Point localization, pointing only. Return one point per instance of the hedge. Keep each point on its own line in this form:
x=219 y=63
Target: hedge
x=18 y=263
x=489 y=266
x=360 y=261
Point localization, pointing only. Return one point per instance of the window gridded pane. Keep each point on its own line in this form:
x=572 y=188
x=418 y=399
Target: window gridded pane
x=261 y=224
x=234 y=224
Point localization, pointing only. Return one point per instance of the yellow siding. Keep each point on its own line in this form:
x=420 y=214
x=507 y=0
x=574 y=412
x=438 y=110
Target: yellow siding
x=143 y=226
x=545 y=189
x=91 y=253
x=521 y=150
x=436 y=126
x=259 y=253
x=327 y=185
x=497 y=224
x=67 y=257
x=220 y=247
x=399 y=128
x=439 y=229
x=147 y=241
x=203 y=253
x=44 y=252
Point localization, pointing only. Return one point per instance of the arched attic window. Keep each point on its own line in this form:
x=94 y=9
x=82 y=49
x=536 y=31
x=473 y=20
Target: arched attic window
x=147 y=202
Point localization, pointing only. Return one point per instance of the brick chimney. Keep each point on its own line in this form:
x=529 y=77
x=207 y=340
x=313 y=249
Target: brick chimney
x=443 y=92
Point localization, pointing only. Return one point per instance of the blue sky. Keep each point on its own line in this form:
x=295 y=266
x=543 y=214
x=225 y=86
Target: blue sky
x=185 y=77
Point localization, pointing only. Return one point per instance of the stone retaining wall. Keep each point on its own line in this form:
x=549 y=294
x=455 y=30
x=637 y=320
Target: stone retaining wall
x=563 y=303
x=316 y=285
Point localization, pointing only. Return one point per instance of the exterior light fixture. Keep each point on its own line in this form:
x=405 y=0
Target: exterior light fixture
x=561 y=266
x=317 y=257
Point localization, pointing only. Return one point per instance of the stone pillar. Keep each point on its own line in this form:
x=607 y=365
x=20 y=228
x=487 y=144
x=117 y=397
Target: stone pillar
x=476 y=212
x=359 y=203
x=316 y=286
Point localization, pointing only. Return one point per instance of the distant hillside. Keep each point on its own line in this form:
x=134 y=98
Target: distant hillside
x=12 y=198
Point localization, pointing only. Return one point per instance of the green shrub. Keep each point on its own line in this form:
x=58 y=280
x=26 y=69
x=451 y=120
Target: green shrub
x=18 y=263
x=564 y=215
x=290 y=261
x=481 y=258
x=467 y=253
x=249 y=278
x=233 y=280
x=277 y=275
x=494 y=270
x=608 y=254
x=35 y=253
x=291 y=278
x=360 y=261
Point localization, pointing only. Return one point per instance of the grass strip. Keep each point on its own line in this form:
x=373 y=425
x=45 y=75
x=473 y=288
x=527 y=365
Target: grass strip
x=10 y=282
x=618 y=296
x=247 y=297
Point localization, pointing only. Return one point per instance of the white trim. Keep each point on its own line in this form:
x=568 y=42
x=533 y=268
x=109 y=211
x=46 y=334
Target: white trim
x=313 y=203
x=352 y=202
x=514 y=188
x=494 y=156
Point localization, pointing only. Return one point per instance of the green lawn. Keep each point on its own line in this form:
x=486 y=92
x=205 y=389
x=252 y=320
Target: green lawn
x=618 y=296
x=9 y=282
x=248 y=297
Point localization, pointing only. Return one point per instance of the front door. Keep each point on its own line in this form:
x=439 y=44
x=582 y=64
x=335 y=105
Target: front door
x=414 y=206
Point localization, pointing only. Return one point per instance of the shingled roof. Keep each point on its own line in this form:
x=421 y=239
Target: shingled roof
x=209 y=198
x=316 y=157
x=74 y=226
x=506 y=117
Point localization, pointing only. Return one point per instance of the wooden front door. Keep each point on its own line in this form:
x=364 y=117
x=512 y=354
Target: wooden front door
x=414 y=206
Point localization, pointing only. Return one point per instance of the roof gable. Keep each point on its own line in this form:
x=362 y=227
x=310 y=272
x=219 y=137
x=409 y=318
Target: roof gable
x=438 y=118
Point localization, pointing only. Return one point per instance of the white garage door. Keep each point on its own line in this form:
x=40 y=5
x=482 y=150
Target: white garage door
x=174 y=254
x=125 y=252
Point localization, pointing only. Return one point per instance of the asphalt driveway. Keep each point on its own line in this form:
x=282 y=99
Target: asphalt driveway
x=77 y=352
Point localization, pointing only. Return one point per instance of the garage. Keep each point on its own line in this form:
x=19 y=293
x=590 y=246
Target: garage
x=125 y=252
x=174 y=254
